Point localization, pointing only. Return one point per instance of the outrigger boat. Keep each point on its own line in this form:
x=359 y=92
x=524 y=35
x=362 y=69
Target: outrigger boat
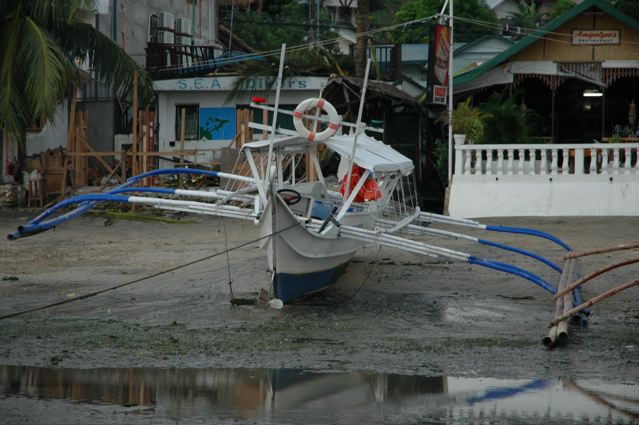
x=310 y=229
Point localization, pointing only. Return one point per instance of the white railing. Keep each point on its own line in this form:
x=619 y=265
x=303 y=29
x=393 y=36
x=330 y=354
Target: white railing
x=547 y=159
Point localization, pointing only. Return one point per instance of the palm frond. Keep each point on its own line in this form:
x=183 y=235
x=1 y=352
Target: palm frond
x=246 y=85
x=306 y=62
x=15 y=116
x=108 y=62
x=45 y=69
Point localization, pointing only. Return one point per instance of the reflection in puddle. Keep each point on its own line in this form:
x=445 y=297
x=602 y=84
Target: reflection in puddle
x=296 y=396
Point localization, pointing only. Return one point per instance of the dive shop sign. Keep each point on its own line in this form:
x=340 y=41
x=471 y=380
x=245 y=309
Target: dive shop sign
x=227 y=84
x=595 y=37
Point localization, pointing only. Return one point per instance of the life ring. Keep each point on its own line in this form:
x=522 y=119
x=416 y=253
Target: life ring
x=314 y=102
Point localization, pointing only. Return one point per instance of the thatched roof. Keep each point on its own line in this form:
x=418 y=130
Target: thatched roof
x=344 y=93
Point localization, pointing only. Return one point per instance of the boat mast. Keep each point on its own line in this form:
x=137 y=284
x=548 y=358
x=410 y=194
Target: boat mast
x=358 y=128
x=276 y=107
x=270 y=178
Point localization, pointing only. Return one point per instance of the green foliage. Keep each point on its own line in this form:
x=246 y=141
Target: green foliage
x=40 y=41
x=464 y=31
x=506 y=121
x=440 y=155
x=562 y=6
x=469 y=120
x=629 y=7
x=381 y=15
x=528 y=17
x=282 y=21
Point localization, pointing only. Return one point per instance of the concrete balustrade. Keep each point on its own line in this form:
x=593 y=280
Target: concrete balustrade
x=545 y=179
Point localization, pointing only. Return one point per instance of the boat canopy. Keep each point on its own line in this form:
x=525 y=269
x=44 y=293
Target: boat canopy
x=370 y=154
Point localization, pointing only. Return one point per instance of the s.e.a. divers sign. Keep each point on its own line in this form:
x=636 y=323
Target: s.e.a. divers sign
x=438 y=62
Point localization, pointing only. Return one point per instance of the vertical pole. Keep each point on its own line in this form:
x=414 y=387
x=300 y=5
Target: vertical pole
x=182 y=132
x=145 y=144
x=76 y=159
x=552 y=116
x=231 y=25
x=211 y=17
x=275 y=109
x=134 y=135
x=450 y=97
x=603 y=114
x=123 y=165
x=358 y=130
x=265 y=122
x=84 y=140
x=317 y=20
x=70 y=135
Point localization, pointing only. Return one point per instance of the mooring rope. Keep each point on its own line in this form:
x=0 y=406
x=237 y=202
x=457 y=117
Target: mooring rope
x=172 y=269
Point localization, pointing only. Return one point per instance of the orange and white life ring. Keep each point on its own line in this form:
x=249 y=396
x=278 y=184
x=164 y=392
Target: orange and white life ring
x=314 y=102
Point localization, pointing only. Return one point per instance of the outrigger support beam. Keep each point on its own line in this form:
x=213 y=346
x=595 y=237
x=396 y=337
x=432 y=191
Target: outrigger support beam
x=84 y=203
x=412 y=228
x=430 y=217
x=385 y=239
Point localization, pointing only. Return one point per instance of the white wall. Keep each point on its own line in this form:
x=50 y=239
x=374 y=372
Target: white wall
x=130 y=18
x=52 y=136
x=545 y=180
x=509 y=196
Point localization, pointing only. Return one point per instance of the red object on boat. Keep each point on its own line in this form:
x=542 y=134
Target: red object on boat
x=368 y=192
x=257 y=99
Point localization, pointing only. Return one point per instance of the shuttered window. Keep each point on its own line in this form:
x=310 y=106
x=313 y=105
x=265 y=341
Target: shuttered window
x=192 y=129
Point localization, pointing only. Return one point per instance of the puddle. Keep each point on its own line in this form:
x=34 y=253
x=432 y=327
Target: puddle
x=305 y=397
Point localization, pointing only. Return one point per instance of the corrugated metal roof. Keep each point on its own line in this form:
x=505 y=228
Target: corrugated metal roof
x=549 y=27
x=418 y=53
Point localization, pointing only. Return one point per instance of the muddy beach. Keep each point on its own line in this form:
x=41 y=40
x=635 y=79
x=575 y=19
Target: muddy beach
x=389 y=313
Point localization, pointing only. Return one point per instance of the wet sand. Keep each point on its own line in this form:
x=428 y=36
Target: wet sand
x=390 y=312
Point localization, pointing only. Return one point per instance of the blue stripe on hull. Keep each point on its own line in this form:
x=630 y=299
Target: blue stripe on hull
x=289 y=286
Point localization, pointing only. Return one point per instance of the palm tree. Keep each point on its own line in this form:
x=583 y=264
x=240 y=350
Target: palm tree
x=43 y=46
x=529 y=18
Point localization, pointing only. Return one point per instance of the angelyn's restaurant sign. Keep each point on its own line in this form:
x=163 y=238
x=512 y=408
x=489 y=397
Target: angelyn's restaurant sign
x=595 y=37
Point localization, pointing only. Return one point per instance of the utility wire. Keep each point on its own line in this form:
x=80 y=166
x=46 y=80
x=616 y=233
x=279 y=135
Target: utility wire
x=543 y=35
x=302 y=47
x=112 y=288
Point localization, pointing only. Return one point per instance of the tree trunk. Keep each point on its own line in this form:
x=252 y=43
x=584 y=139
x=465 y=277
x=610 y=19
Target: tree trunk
x=360 y=43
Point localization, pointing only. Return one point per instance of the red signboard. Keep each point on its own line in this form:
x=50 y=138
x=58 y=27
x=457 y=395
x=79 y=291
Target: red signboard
x=438 y=62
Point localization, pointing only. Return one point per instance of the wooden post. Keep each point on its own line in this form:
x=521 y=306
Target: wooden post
x=76 y=158
x=134 y=135
x=123 y=165
x=145 y=143
x=182 y=133
x=70 y=137
x=81 y=140
x=264 y=122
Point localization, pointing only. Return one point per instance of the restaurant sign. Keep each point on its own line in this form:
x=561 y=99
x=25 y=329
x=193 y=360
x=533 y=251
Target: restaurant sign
x=595 y=37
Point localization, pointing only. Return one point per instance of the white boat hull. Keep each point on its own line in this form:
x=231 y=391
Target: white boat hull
x=304 y=262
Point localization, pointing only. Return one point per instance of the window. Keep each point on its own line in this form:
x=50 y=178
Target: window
x=192 y=127
x=153 y=28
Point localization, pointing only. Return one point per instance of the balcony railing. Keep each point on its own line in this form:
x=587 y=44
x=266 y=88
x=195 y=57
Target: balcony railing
x=547 y=160
x=173 y=60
